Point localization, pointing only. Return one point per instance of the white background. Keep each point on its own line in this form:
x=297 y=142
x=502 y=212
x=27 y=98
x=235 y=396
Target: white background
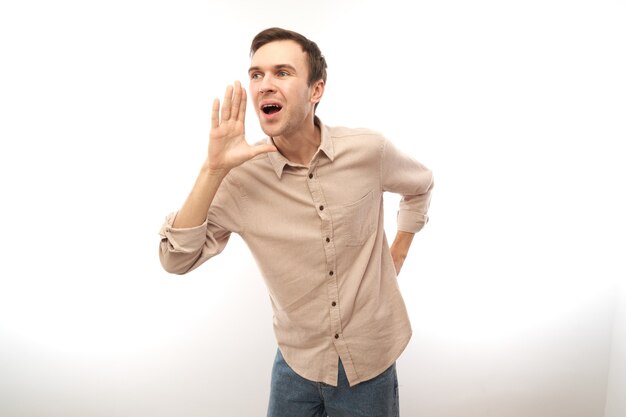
x=515 y=288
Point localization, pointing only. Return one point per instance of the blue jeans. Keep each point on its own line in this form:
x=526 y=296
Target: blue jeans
x=294 y=396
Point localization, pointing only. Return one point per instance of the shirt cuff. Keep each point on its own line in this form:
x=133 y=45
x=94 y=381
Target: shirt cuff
x=183 y=240
x=411 y=221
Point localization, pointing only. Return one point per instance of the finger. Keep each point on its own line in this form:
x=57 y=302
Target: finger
x=259 y=149
x=234 y=110
x=215 y=114
x=241 y=117
x=228 y=98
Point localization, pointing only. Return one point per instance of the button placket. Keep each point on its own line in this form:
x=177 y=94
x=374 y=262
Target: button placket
x=329 y=249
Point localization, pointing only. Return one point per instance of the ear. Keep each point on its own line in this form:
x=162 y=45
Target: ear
x=317 y=91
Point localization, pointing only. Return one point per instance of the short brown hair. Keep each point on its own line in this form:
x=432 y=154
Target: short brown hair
x=317 y=62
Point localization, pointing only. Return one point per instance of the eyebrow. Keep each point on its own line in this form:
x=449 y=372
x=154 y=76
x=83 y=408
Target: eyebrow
x=275 y=67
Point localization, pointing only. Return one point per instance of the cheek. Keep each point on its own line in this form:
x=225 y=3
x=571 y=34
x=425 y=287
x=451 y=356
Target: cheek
x=297 y=95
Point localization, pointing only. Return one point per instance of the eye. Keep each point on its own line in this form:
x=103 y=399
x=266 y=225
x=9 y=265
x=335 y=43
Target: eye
x=255 y=76
x=282 y=73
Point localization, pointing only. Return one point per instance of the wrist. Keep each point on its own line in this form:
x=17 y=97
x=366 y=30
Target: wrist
x=213 y=172
x=403 y=239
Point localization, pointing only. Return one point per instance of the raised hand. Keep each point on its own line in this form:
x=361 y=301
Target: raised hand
x=227 y=143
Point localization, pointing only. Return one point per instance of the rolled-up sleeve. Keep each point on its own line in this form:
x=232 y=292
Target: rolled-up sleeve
x=404 y=175
x=182 y=250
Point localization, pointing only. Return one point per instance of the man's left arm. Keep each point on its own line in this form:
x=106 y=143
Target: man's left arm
x=404 y=175
x=400 y=248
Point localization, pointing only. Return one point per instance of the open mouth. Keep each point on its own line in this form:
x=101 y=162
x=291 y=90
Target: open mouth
x=271 y=108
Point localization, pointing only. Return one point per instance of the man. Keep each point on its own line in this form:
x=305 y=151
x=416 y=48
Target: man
x=308 y=201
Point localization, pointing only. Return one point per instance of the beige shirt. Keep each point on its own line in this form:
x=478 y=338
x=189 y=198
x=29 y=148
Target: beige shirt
x=318 y=238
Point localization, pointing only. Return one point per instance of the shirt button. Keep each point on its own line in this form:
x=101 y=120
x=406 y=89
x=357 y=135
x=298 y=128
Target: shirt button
x=336 y=336
x=321 y=208
x=333 y=304
x=310 y=175
x=331 y=273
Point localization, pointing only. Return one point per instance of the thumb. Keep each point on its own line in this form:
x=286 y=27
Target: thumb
x=259 y=149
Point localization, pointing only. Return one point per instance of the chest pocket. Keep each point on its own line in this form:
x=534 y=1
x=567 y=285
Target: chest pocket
x=360 y=220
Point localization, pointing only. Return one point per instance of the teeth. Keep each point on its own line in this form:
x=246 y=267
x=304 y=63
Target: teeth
x=268 y=108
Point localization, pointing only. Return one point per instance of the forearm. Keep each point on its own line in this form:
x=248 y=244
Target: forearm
x=400 y=248
x=194 y=211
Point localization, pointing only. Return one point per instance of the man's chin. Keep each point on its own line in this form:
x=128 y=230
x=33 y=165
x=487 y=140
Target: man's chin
x=271 y=131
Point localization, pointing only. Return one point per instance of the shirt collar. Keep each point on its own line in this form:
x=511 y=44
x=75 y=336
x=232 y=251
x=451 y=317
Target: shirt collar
x=278 y=161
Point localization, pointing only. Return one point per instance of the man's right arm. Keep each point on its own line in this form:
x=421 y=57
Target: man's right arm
x=183 y=249
x=193 y=213
x=227 y=149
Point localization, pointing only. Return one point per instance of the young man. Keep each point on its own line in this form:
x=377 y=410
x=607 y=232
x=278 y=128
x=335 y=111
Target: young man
x=308 y=201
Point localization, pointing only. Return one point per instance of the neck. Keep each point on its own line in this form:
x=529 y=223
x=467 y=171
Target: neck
x=300 y=147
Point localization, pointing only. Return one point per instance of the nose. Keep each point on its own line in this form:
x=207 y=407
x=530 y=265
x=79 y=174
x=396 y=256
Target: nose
x=266 y=85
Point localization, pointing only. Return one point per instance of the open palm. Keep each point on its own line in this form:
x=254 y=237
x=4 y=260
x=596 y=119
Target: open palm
x=227 y=142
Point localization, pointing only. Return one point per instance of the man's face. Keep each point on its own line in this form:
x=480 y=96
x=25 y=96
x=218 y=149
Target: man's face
x=282 y=99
